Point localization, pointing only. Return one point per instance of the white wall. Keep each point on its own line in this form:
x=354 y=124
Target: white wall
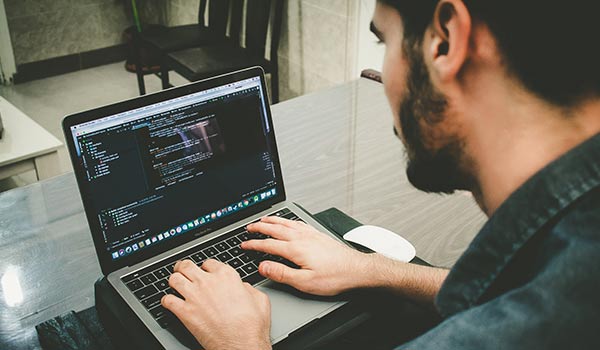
x=317 y=45
x=369 y=54
x=7 y=58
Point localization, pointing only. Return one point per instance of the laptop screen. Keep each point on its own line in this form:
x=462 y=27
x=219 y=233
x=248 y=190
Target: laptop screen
x=174 y=167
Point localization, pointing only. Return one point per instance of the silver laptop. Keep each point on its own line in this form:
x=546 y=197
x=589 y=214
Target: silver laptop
x=178 y=175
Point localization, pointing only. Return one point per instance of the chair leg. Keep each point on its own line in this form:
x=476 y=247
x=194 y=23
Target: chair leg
x=138 y=66
x=164 y=73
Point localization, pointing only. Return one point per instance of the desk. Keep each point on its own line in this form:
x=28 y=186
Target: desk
x=337 y=149
x=25 y=145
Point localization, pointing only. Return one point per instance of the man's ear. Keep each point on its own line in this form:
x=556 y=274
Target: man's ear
x=448 y=43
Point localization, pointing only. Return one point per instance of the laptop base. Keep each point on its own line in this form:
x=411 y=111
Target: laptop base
x=126 y=331
x=384 y=318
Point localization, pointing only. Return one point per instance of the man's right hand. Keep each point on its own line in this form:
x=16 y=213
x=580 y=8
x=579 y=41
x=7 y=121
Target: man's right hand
x=327 y=267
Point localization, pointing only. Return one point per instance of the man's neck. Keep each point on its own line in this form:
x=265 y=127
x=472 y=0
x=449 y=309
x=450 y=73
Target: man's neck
x=521 y=137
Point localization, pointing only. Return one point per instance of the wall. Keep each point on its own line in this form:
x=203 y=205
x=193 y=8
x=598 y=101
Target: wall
x=369 y=54
x=180 y=12
x=7 y=59
x=317 y=45
x=42 y=29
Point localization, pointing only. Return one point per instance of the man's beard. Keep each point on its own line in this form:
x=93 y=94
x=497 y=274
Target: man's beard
x=430 y=170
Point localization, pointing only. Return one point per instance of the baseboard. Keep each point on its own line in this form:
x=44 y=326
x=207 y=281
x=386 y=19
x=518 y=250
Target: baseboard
x=69 y=63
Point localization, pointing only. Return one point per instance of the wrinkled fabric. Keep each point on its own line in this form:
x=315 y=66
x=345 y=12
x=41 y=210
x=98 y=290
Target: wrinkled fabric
x=531 y=277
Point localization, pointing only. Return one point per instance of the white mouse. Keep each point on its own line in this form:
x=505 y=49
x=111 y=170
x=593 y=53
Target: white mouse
x=382 y=241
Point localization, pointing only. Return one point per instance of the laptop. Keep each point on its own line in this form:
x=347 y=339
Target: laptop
x=178 y=175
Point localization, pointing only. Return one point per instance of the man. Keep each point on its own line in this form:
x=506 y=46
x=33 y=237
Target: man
x=498 y=97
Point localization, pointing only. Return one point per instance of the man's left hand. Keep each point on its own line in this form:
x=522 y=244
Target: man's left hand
x=220 y=310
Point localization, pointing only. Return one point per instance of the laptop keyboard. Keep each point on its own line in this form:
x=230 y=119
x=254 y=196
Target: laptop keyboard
x=151 y=283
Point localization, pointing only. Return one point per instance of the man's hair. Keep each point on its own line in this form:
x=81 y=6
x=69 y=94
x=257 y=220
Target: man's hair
x=551 y=46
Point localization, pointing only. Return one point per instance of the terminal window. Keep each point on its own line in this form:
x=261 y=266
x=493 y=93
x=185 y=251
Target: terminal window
x=146 y=175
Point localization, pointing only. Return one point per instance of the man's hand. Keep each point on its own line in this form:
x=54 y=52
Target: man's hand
x=326 y=266
x=219 y=309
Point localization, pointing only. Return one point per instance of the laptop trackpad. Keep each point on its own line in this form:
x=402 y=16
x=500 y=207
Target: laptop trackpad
x=291 y=309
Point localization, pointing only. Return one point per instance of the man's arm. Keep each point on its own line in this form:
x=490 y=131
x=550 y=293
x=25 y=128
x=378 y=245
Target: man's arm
x=328 y=267
x=419 y=283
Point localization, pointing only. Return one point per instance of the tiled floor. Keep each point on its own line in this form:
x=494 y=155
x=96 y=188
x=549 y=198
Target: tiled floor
x=47 y=101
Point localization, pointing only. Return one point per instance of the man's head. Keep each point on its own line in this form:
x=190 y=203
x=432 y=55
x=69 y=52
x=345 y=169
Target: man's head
x=453 y=67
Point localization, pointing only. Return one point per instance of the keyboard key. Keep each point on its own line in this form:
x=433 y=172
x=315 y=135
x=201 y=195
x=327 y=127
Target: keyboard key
x=255 y=255
x=221 y=247
x=161 y=273
x=254 y=278
x=153 y=300
x=245 y=258
x=282 y=212
x=165 y=321
x=148 y=279
x=168 y=319
x=255 y=235
x=241 y=272
x=233 y=241
x=249 y=268
x=235 y=251
x=235 y=263
x=210 y=252
x=271 y=257
x=174 y=292
x=162 y=284
x=135 y=285
x=131 y=277
x=244 y=236
x=198 y=257
x=290 y=216
x=145 y=292
x=158 y=312
x=170 y=267
x=223 y=257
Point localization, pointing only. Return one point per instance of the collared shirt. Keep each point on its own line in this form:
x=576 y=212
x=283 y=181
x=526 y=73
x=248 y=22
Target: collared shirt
x=531 y=277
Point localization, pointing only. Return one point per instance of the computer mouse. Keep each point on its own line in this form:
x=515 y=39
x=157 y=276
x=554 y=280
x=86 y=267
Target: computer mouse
x=382 y=241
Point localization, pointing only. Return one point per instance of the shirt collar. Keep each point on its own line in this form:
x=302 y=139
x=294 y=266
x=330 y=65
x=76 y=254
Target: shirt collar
x=518 y=219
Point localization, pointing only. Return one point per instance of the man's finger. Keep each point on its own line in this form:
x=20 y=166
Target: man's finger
x=212 y=265
x=281 y=221
x=173 y=304
x=181 y=284
x=278 y=231
x=269 y=246
x=188 y=269
x=280 y=273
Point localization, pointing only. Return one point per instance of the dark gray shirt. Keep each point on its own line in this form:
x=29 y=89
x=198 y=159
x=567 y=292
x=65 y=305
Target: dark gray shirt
x=531 y=277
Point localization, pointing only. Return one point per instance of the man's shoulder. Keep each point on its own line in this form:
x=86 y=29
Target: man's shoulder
x=547 y=299
x=581 y=220
x=571 y=244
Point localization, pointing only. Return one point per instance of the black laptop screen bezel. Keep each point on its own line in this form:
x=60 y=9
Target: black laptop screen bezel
x=107 y=264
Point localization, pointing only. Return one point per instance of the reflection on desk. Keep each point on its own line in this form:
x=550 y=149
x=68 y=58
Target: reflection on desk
x=337 y=150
